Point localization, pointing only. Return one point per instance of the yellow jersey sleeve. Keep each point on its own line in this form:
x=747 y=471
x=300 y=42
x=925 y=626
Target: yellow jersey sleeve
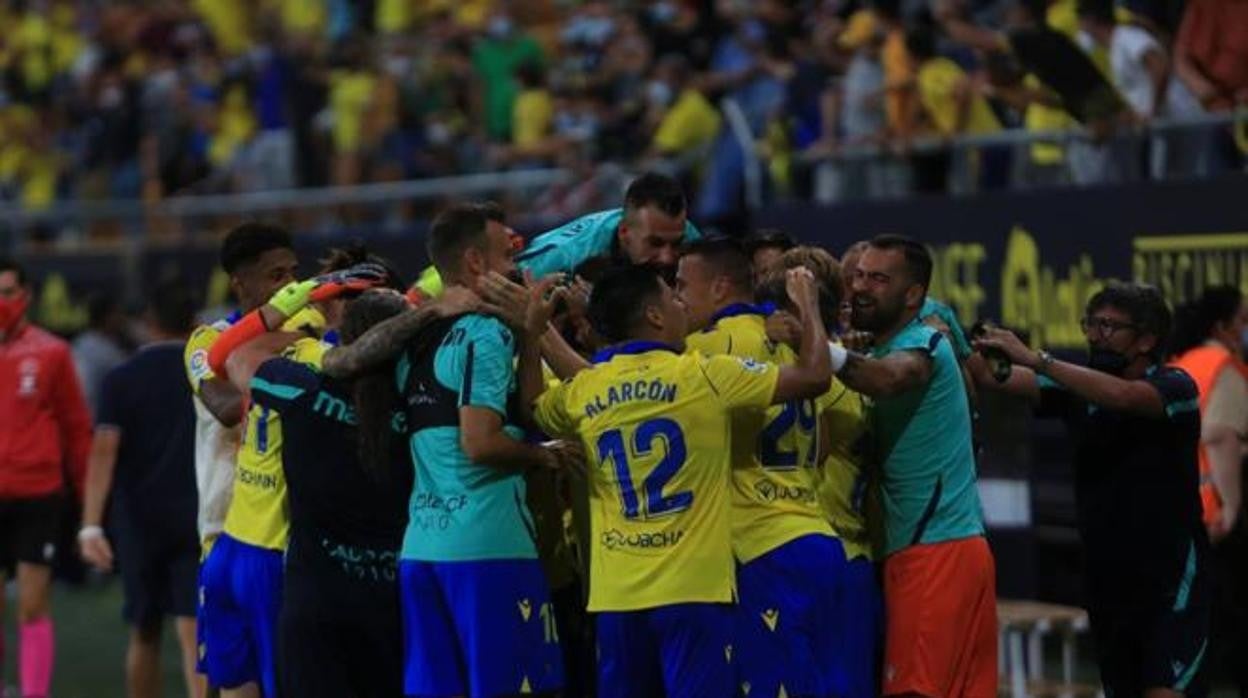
x=842 y=480
x=710 y=342
x=740 y=383
x=195 y=356
x=551 y=411
x=259 y=514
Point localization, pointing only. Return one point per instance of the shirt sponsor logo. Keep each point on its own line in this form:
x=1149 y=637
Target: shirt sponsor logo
x=362 y=564
x=616 y=540
x=27 y=377
x=769 y=492
x=432 y=512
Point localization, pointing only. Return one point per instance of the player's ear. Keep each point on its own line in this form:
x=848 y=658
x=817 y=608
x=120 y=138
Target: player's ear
x=915 y=295
x=654 y=316
x=473 y=261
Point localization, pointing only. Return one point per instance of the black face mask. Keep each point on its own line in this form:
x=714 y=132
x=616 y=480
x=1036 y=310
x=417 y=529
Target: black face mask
x=1107 y=361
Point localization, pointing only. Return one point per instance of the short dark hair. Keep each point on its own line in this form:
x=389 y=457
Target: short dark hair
x=619 y=299
x=769 y=238
x=10 y=264
x=172 y=306
x=245 y=243
x=1143 y=303
x=918 y=259
x=657 y=190
x=356 y=252
x=724 y=256
x=1194 y=322
x=454 y=230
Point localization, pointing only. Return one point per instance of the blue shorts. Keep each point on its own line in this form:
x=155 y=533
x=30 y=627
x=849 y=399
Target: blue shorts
x=240 y=598
x=482 y=628
x=801 y=627
x=679 y=651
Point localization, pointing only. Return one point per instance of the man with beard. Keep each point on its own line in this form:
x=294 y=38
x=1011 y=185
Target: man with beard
x=1136 y=428
x=648 y=230
x=939 y=578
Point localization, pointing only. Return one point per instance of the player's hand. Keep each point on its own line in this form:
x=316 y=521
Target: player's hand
x=95 y=549
x=1007 y=342
x=857 y=340
x=568 y=456
x=456 y=300
x=800 y=284
x=360 y=277
x=783 y=328
x=544 y=295
x=505 y=299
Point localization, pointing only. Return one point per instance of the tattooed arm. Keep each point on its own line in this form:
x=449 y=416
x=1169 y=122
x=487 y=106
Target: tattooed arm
x=383 y=341
x=892 y=375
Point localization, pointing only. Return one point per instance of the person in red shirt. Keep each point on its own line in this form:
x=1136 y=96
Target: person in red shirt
x=45 y=437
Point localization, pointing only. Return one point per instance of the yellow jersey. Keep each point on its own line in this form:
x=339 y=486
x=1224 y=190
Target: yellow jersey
x=938 y=81
x=773 y=449
x=842 y=480
x=259 y=514
x=654 y=425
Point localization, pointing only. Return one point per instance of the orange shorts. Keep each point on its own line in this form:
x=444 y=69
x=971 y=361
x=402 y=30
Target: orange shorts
x=940 y=610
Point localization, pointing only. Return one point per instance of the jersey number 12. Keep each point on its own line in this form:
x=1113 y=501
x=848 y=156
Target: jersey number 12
x=612 y=447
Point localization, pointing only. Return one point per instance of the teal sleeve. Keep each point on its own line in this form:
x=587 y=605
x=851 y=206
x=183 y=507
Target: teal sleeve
x=566 y=247
x=487 y=362
x=280 y=382
x=961 y=347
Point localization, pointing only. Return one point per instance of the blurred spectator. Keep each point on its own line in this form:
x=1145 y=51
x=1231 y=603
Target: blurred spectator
x=953 y=105
x=102 y=346
x=497 y=56
x=352 y=90
x=534 y=112
x=1138 y=64
x=107 y=100
x=1211 y=52
x=686 y=122
x=949 y=97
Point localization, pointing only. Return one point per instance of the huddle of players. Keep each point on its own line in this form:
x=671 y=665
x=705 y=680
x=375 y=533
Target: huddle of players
x=727 y=550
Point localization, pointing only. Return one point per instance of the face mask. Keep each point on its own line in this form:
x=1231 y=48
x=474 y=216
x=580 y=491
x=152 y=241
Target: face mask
x=659 y=93
x=11 y=312
x=663 y=12
x=1107 y=361
x=499 y=27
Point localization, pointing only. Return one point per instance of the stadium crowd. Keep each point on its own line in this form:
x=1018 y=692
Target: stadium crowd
x=621 y=460
x=144 y=100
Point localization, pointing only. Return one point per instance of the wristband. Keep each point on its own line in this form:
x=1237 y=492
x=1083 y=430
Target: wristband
x=839 y=355
x=292 y=297
x=89 y=533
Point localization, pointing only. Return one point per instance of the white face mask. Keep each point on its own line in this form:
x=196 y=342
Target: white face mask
x=499 y=27
x=659 y=93
x=111 y=97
